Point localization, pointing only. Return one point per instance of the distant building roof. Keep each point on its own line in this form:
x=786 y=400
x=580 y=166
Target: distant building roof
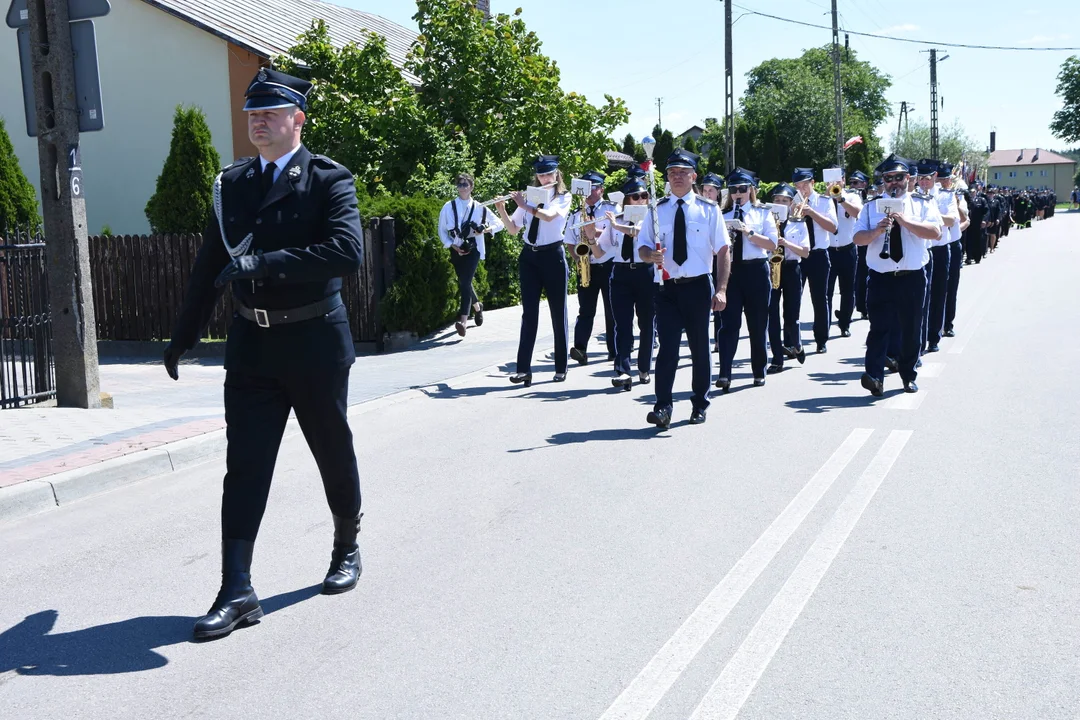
x=614 y=157
x=1026 y=156
x=690 y=130
x=270 y=27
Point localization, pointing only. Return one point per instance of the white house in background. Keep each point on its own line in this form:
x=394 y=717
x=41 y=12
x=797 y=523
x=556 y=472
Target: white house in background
x=156 y=54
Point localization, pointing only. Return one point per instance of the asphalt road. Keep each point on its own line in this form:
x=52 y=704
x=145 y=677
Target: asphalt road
x=543 y=553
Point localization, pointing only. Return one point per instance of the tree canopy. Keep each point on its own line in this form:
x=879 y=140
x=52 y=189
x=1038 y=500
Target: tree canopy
x=1066 y=122
x=953 y=141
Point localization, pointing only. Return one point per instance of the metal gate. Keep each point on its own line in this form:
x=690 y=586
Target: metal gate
x=27 y=368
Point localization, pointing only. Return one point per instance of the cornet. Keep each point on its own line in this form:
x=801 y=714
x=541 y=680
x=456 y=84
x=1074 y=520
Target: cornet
x=836 y=190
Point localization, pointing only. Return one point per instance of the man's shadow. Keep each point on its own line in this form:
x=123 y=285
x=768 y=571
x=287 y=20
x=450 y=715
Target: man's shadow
x=121 y=647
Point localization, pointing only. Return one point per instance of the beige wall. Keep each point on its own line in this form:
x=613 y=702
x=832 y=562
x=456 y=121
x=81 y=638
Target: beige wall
x=149 y=62
x=1059 y=177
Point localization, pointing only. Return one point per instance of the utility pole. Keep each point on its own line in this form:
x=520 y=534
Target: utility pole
x=659 y=103
x=934 y=149
x=837 y=96
x=729 y=93
x=71 y=300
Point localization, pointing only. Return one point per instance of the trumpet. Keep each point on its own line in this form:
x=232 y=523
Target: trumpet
x=836 y=190
x=797 y=211
x=504 y=198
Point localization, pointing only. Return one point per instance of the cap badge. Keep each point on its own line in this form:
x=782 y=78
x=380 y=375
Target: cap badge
x=261 y=77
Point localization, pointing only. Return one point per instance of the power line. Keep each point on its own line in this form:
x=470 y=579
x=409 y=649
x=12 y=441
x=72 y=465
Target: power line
x=748 y=11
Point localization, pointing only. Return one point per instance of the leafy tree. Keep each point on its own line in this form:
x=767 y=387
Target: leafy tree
x=665 y=145
x=1066 y=122
x=183 y=200
x=18 y=204
x=362 y=112
x=689 y=145
x=953 y=141
x=629 y=144
x=489 y=80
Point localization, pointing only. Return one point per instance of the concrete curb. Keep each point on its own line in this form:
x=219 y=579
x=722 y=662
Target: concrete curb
x=35 y=496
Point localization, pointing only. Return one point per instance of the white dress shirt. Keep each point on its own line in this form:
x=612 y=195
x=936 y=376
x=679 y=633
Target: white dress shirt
x=760 y=221
x=795 y=233
x=845 y=227
x=946 y=200
x=466 y=209
x=706 y=234
x=916 y=252
x=824 y=205
x=572 y=236
x=280 y=164
x=550 y=231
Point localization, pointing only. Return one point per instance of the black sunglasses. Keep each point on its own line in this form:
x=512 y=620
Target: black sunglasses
x=637 y=196
x=739 y=189
x=894 y=177
x=464 y=184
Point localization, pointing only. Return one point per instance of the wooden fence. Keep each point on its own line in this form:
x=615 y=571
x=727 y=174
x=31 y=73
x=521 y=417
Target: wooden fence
x=139 y=283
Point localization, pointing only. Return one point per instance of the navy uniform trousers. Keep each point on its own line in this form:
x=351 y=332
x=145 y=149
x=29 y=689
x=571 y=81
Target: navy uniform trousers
x=683 y=305
x=924 y=328
x=860 y=280
x=895 y=302
x=465 y=267
x=543 y=268
x=790 y=293
x=748 y=292
x=842 y=265
x=956 y=261
x=599 y=285
x=816 y=273
x=256 y=411
x=939 y=287
x=633 y=290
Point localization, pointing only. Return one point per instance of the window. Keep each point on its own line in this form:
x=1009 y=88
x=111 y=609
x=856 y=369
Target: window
x=1042 y=173
x=997 y=176
x=1012 y=173
x=1029 y=173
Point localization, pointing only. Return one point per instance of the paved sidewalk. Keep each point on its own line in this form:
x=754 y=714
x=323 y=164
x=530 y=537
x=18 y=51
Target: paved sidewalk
x=151 y=411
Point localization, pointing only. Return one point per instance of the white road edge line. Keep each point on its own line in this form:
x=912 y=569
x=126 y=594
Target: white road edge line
x=729 y=693
x=653 y=682
x=961 y=342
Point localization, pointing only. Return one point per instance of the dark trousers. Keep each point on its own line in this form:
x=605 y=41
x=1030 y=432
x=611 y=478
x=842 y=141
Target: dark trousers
x=465 y=267
x=790 y=293
x=748 y=292
x=976 y=243
x=940 y=257
x=860 y=280
x=895 y=303
x=543 y=270
x=256 y=410
x=599 y=284
x=925 y=324
x=684 y=306
x=816 y=273
x=956 y=261
x=842 y=263
x=633 y=290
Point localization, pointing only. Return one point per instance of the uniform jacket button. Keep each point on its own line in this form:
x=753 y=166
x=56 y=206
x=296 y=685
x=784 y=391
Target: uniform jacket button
x=258 y=221
x=281 y=276
x=259 y=283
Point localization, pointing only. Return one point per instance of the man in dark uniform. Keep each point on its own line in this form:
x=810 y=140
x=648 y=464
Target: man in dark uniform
x=861 y=184
x=975 y=241
x=286 y=231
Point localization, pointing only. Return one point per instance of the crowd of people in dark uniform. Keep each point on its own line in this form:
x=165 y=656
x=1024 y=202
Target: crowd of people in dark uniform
x=995 y=210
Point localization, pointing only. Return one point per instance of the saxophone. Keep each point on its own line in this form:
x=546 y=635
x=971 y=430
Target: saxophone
x=582 y=251
x=776 y=260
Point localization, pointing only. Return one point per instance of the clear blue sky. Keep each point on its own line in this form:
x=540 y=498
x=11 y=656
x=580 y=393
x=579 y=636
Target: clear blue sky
x=629 y=50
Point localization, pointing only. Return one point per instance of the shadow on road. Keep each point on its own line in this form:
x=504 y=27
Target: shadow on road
x=840 y=378
x=825 y=404
x=121 y=647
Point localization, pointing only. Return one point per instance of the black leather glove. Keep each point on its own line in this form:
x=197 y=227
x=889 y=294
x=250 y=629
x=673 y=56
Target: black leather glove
x=245 y=267
x=172 y=359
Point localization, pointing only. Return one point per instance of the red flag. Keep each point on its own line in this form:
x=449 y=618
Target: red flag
x=646 y=166
x=853 y=141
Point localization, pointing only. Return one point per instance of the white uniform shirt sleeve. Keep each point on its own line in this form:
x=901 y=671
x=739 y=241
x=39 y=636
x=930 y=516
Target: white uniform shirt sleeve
x=446 y=223
x=718 y=230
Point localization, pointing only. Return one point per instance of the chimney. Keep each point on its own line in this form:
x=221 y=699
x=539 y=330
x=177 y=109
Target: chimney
x=993 y=141
x=1035 y=158
x=1020 y=156
x=484 y=6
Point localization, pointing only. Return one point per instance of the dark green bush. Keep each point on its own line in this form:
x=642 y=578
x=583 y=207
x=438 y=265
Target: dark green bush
x=18 y=204
x=183 y=199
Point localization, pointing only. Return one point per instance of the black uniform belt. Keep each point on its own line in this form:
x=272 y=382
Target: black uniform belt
x=755 y=261
x=681 y=280
x=538 y=248
x=898 y=273
x=266 y=318
x=631 y=265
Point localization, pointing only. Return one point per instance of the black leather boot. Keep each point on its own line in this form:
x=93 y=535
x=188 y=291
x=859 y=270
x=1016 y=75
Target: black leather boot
x=236 y=603
x=345 y=562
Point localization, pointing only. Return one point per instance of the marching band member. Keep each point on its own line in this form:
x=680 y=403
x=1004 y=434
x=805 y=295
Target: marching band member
x=541 y=265
x=860 y=184
x=633 y=290
x=595 y=207
x=793 y=238
x=897 y=282
x=843 y=258
x=692 y=241
x=711 y=186
x=819 y=215
x=462 y=226
x=956 y=250
x=752 y=238
x=940 y=259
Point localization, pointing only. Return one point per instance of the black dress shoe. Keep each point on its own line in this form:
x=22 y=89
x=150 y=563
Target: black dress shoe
x=460 y=327
x=774 y=368
x=933 y=348
x=891 y=365
x=579 y=356
x=479 y=316
x=876 y=387
x=911 y=387
x=821 y=349
x=236 y=603
x=345 y=565
x=624 y=382
x=759 y=382
x=559 y=377
x=723 y=383
x=950 y=333
x=660 y=418
x=800 y=355
x=918 y=363
x=644 y=377
x=790 y=352
x=697 y=417
x=525 y=378
x=845 y=333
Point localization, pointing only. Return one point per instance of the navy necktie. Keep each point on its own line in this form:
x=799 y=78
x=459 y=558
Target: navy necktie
x=738 y=215
x=628 y=247
x=810 y=231
x=267 y=178
x=679 y=251
x=896 y=243
x=534 y=226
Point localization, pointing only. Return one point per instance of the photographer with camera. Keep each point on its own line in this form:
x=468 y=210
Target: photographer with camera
x=463 y=224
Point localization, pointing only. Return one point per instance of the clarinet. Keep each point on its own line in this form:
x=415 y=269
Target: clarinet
x=885 y=253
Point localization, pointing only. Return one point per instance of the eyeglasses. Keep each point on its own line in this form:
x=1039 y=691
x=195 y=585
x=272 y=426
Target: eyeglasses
x=739 y=189
x=464 y=184
x=637 y=196
x=894 y=177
